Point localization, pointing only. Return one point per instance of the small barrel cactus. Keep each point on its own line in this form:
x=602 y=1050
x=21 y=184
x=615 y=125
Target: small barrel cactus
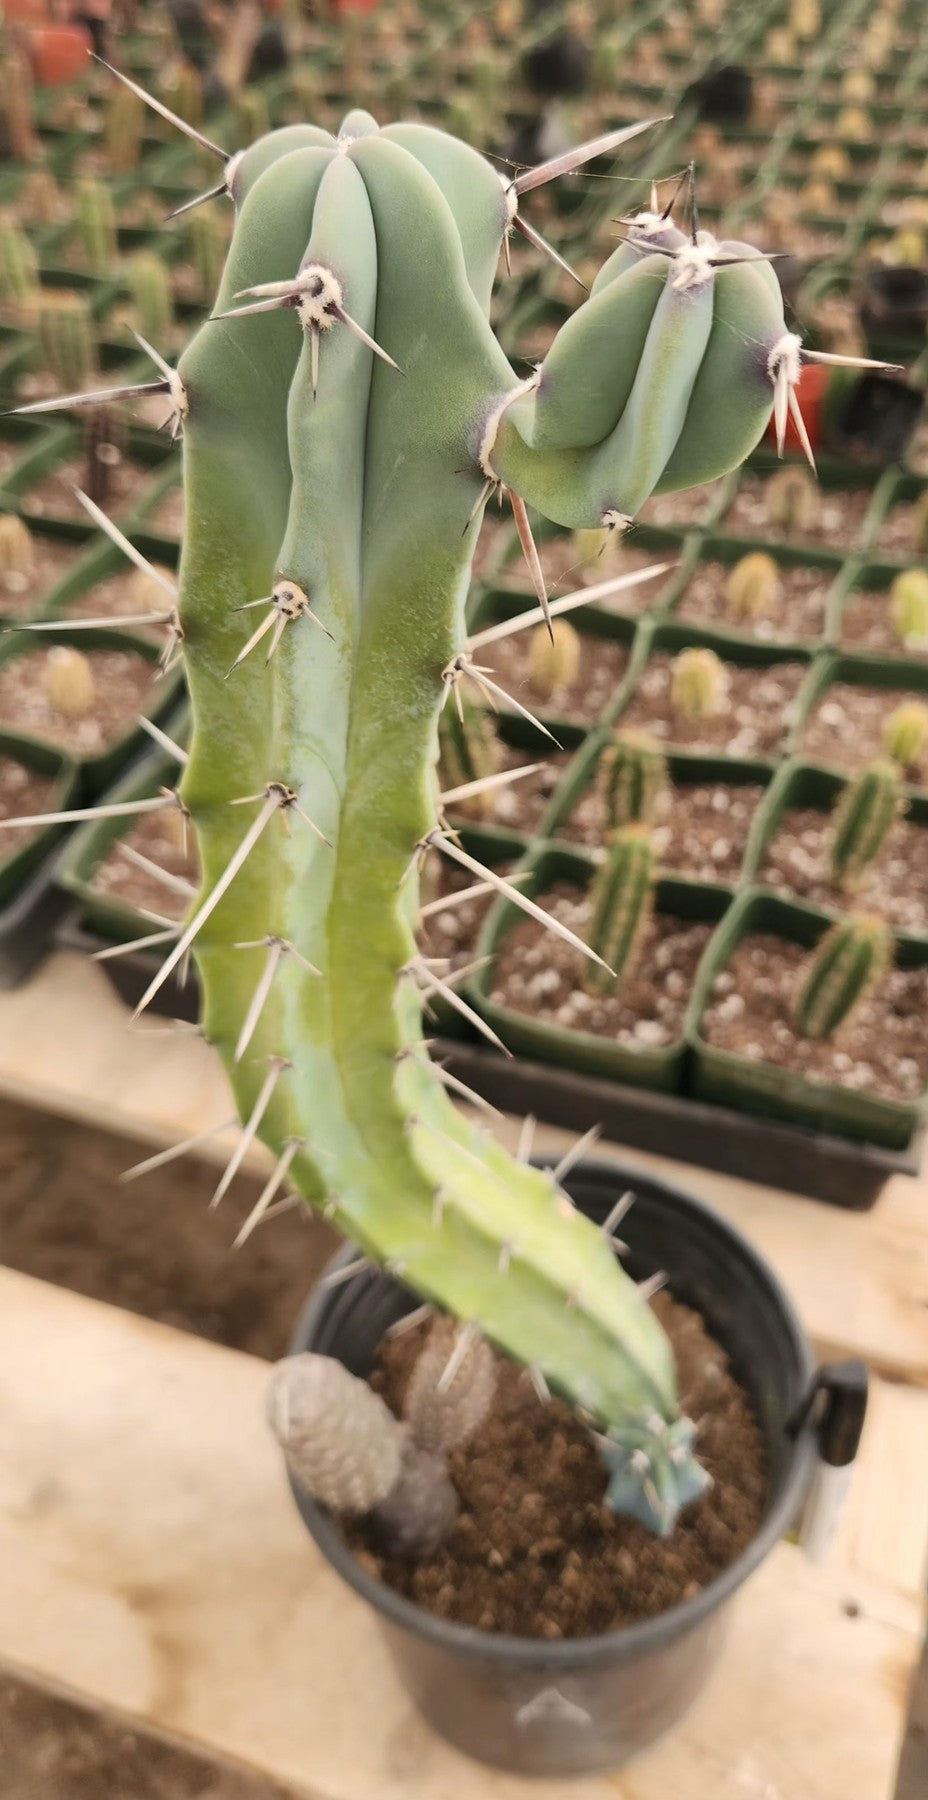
x=863 y=819
x=150 y=286
x=96 y=224
x=451 y=1388
x=621 y=903
x=698 y=684
x=752 y=588
x=791 y=500
x=905 y=733
x=908 y=606
x=554 y=658
x=17 y=549
x=69 y=682
x=632 y=776
x=845 y=966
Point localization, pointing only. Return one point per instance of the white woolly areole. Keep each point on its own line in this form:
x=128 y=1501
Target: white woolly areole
x=613 y=520
x=289 y=599
x=320 y=297
x=491 y=429
x=511 y=197
x=232 y=168
x=785 y=360
x=692 y=265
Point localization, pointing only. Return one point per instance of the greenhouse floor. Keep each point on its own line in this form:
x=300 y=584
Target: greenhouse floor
x=154 y=1567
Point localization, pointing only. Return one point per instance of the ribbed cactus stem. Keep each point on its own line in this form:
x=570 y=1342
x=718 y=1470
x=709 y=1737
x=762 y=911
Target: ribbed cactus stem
x=905 y=732
x=341 y=1440
x=908 y=605
x=698 y=684
x=96 y=223
x=468 y=750
x=150 y=287
x=791 y=498
x=845 y=966
x=863 y=820
x=554 y=658
x=122 y=130
x=67 y=340
x=621 y=903
x=19 y=268
x=451 y=1388
x=632 y=777
x=208 y=246
x=752 y=587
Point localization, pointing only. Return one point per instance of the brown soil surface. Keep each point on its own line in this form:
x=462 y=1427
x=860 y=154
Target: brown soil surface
x=535 y=1550
x=867 y=627
x=603 y=663
x=755 y=720
x=123 y=682
x=22 y=592
x=52 y=497
x=797 y=613
x=539 y=974
x=845 y=728
x=159 y=837
x=519 y=806
x=10 y=455
x=689 y=507
x=152 y=1246
x=896 y=887
x=22 y=793
x=880 y=1049
x=454 y=931
x=837 y=525
x=130 y=593
x=898 y=534
x=700 y=828
x=56 y=1749
x=564 y=572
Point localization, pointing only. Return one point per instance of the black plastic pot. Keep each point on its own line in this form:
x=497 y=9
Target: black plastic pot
x=575 y=1707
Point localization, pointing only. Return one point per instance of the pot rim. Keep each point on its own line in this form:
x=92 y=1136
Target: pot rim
x=627 y=1641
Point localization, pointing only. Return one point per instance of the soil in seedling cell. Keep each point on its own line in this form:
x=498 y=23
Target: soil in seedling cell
x=700 y=829
x=535 y=1551
x=845 y=728
x=541 y=975
x=867 y=627
x=565 y=571
x=681 y=510
x=23 y=792
x=902 y=533
x=53 y=496
x=602 y=667
x=797 y=861
x=130 y=593
x=836 y=516
x=518 y=805
x=796 y=614
x=23 y=590
x=757 y=707
x=122 y=684
x=452 y=932
x=159 y=837
x=881 y=1049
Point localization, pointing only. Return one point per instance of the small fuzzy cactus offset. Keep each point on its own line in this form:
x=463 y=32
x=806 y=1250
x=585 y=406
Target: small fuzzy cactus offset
x=845 y=966
x=908 y=605
x=698 y=684
x=905 y=732
x=863 y=819
x=554 y=658
x=753 y=586
x=346 y=413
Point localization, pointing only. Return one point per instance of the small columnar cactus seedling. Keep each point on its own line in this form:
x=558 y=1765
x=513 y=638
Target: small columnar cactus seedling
x=905 y=733
x=347 y=411
x=69 y=682
x=150 y=286
x=208 y=245
x=554 y=658
x=122 y=130
x=19 y=269
x=621 y=903
x=96 y=223
x=908 y=606
x=846 y=964
x=468 y=751
x=863 y=819
x=791 y=500
x=752 y=587
x=698 y=684
x=632 y=776
x=66 y=336
x=17 y=550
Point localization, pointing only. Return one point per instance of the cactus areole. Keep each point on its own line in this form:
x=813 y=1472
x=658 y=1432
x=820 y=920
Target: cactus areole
x=347 y=411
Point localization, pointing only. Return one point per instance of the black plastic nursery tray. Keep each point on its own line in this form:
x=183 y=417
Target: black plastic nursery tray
x=818 y=1164
x=815 y=1163
x=28 y=925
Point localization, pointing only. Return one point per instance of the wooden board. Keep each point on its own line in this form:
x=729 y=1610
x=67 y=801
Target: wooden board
x=152 y=1559
x=860 y=1280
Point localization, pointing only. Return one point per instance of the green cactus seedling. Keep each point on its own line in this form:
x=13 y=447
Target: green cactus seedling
x=554 y=659
x=905 y=733
x=468 y=752
x=863 y=819
x=69 y=682
x=96 y=223
x=66 y=336
x=621 y=903
x=208 y=245
x=19 y=269
x=347 y=411
x=122 y=130
x=632 y=777
x=792 y=501
x=17 y=549
x=908 y=606
x=753 y=586
x=698 y=684
x=150 y=287
x=845 y=966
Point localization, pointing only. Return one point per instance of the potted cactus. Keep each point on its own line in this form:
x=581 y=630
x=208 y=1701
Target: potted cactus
x=346 y=413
